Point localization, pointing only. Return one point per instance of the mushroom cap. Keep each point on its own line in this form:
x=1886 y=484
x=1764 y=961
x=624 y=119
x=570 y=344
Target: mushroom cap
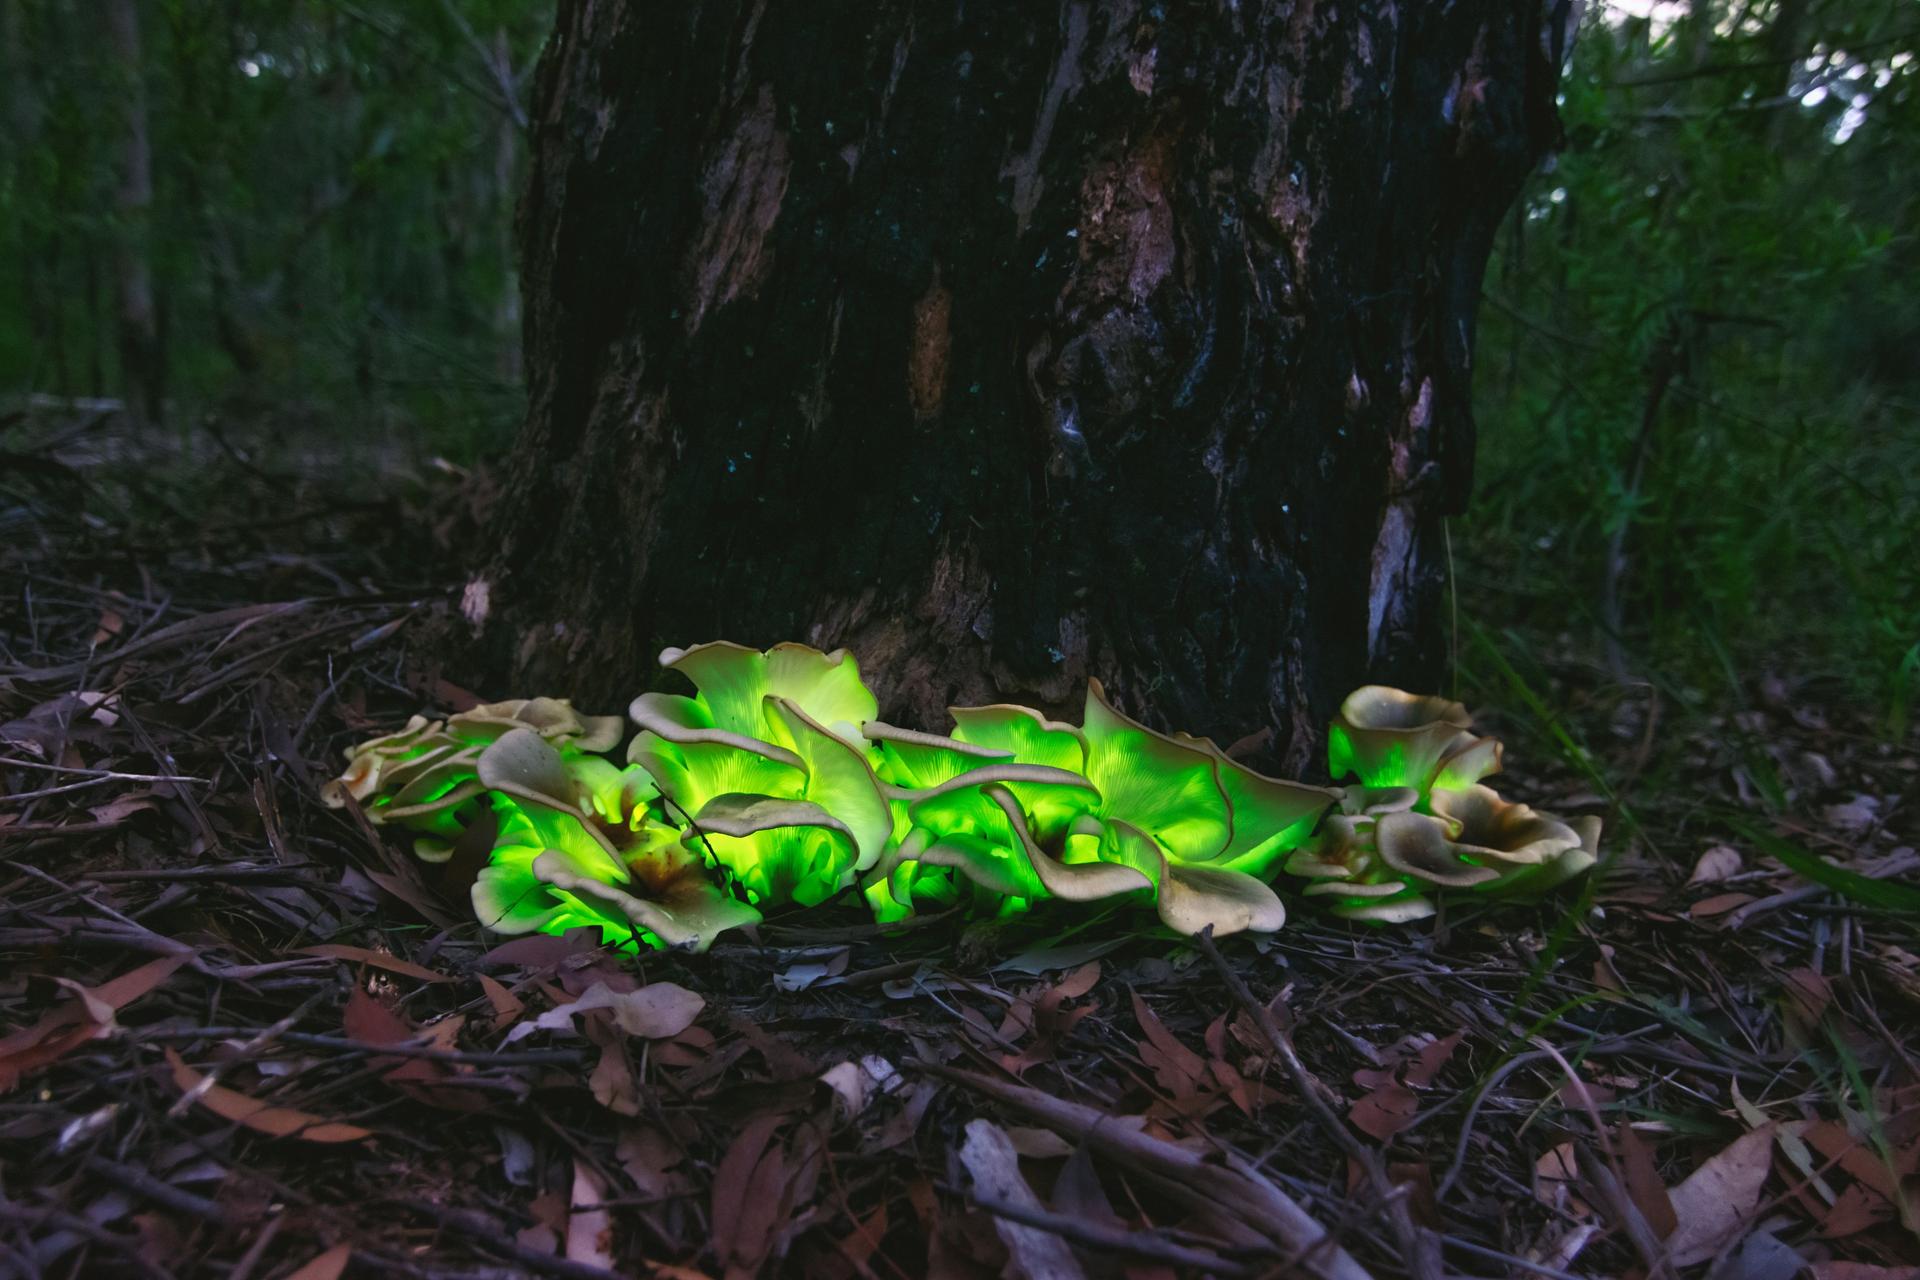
x=1267 y=816
x=1190 y=899
x=1499 y=833
x=1390 y=738
x=733 y=683
x=1156 y=783
x=1027 y=735
x=1379 y=706
x=912 y=760
x=552 y=718
x=1417 y=845
x=1374 y=801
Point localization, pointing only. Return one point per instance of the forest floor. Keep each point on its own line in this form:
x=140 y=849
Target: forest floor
x=243 y=1035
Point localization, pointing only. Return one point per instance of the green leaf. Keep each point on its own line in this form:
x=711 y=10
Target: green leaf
x=1883 y=895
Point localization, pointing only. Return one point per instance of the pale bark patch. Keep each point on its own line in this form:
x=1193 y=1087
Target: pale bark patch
x=744 y=187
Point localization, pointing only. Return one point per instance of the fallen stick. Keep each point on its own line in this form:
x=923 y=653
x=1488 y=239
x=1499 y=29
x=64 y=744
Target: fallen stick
x=1139 y=1244
x=1235 y=1187
x=1419 y=1252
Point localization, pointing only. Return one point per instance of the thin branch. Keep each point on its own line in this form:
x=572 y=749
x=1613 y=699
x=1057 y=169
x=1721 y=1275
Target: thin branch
x=1418 y=1249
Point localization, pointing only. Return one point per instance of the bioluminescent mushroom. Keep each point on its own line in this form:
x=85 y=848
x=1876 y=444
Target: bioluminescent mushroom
x=774 y=784
x=1390 y=738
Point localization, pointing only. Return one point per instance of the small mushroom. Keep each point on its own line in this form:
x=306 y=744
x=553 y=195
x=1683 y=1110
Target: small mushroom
x=1389 y=738
x=1501 y=834
x=1416 y=845
x=552 y=718
x=555 y=867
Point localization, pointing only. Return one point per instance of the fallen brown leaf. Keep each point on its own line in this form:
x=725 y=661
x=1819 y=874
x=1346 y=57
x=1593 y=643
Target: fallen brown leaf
x=1715 y=1202
x=378 y=959
x=1716 y=864
x=262 y=1117
x=328 y=1266
x=654 y=1012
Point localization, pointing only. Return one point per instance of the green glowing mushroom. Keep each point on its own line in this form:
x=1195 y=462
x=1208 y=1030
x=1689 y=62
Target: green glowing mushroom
x=766 y=767
x=1524 y=851
x=370 y=762
x=1187 y=898
x=732 y=685
x=1389 y=738
x=1203 y=808
x=777 y=772
x=1344 y=865
x=552 y=718
x=954 y=828
x=1195 y=829
x=556 y=867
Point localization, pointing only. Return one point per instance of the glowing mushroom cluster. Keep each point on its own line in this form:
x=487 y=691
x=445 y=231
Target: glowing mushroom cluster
x=775 y=783
x=1419 y=819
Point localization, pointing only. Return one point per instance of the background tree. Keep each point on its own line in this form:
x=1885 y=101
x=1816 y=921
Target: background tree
x=142 y=362
x=1011 y=345
x=1696 y=375
x=322 y=230
x=1731 y=210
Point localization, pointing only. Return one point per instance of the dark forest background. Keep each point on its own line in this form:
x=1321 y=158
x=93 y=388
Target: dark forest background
x=287 y=227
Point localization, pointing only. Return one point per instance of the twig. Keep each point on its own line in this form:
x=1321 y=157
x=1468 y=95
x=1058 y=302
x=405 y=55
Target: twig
x=1663 y=368
x=1140 y=1244
x=1235 y=1188
x=1499 y=1073
x=1418 y=1250
x=478 y=1058
x=1511 y=1260
x=85 y=783
x=1892 y=866
x=157 y=1191
x=468 y=1222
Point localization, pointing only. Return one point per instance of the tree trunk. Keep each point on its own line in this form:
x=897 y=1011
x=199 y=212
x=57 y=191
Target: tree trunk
x=142 y=369
x=1010 y=344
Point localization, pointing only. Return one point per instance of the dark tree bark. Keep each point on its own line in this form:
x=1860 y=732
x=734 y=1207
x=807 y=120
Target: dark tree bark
x=1010 y=343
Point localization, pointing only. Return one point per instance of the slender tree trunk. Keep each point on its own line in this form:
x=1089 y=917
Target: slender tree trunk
x=22 y=117
x=1010 y=343
x=141 y=361
x=506 y=169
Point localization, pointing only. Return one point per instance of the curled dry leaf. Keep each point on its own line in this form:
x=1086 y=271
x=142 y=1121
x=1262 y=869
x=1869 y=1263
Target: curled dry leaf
x=89 y=1016
x=1717 y=864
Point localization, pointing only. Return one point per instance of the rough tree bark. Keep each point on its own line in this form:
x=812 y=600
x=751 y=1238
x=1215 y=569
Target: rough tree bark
x=1010 y=343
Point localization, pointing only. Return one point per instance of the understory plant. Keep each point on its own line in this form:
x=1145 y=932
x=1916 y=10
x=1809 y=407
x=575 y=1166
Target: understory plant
x=774 y=783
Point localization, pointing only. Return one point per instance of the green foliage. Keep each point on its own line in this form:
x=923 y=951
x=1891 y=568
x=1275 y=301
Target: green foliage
x=1696 y=354
x=775 y=776
x=333 y=195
